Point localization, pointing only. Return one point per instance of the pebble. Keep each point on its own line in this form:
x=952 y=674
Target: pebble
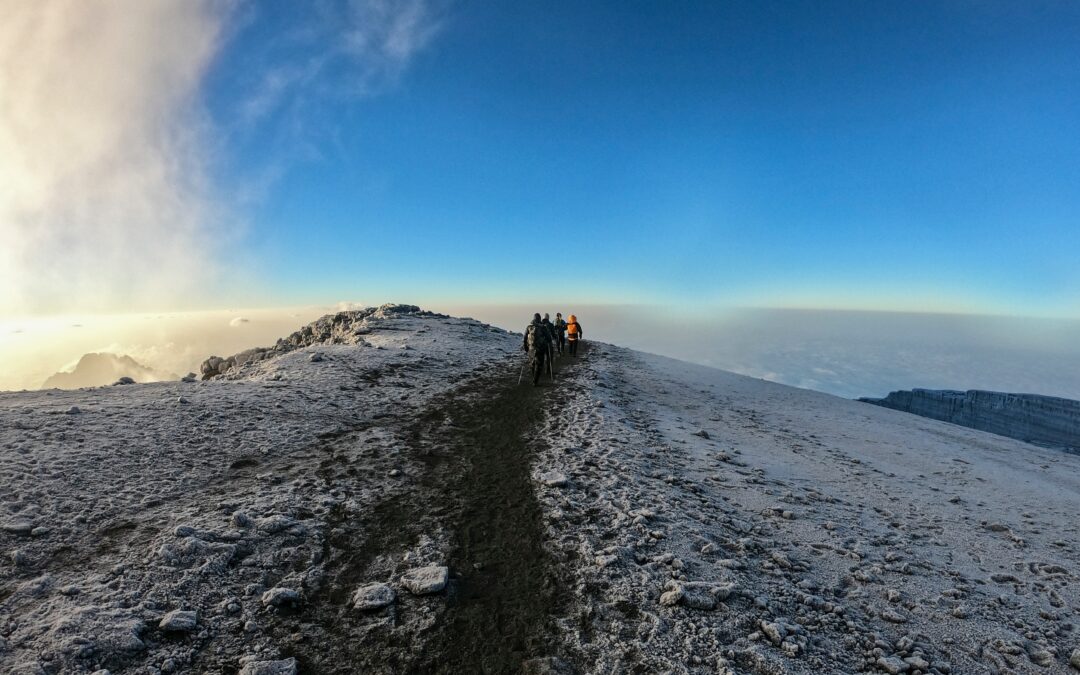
x=179 y=620
x=373 y=596
x=18 y=527
x=275 y=524
x=553 y=479
x=281 y=667
x=424 y=580
x=893 y=665
x=73 y=410
x=280 y=595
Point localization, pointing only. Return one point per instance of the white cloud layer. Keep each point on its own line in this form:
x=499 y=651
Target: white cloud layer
x=105 y=196
x=108 y=198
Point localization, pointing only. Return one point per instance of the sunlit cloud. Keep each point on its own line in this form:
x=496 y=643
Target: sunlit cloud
x=111 y=187
x=105 y=153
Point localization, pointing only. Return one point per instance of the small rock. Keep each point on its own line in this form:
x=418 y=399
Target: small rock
x=373 y=596
x=394 y=473
x=553 y=479
x=893 y=665
x=315 y=358
x=918 y=663
x=275 y=524
x=282 y=667
x=280 y=595
x=1074 y=659
x=19 y=559
x=73 y=410
x=181 y=400
x=703 y=434
x=547 y=665
x=671 y=598
x=179 y=620
x=773 y=632
x=123 y=380
x=18 y=527
x=240 y=519
x=424 y=580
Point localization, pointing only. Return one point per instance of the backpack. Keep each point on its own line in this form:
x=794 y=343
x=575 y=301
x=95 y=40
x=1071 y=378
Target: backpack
x=537 y=337
x=572 y=328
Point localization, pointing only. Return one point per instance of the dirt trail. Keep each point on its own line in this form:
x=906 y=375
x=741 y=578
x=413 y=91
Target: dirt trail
x=474 y=494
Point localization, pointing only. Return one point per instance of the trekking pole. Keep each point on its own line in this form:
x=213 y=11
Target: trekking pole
x=551 y=364
x=521 y=373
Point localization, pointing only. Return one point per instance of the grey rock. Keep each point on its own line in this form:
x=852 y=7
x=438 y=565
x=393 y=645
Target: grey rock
x=250 y=666
x=280 y=595
x=425 y=580
x=1074 y=658
x=373 y=596
x=73 y=410
x=546 y=665
x=179 y=620
x=17 y=526
x=275 y=524
x=125 y=380
x=893 y=665
x=553 y=479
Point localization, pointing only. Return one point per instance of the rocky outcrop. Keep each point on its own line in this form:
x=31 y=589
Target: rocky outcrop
x=1045 y=420
x=346 y=328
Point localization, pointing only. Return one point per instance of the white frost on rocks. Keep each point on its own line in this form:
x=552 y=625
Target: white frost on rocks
x=179 y=620
x=425 y=580
x=252 y=666
x=373 y=596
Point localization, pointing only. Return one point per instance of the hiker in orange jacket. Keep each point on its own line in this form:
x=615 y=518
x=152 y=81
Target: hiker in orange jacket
x=573 y=334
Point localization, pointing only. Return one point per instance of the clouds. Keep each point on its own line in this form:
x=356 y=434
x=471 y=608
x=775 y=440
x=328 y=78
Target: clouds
x=112 y=193
x=105 y=152
x=334 y=51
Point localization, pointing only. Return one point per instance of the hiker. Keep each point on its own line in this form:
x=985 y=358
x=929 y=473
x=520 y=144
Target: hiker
x=573 y=334
x=538 y=345
x=560 y=331
x=551 y=335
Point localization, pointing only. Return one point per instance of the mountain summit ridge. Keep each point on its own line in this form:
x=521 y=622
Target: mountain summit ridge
x=637 y=514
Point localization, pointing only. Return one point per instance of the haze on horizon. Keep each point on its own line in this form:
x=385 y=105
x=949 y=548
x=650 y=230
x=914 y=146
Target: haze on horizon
x=210 y=154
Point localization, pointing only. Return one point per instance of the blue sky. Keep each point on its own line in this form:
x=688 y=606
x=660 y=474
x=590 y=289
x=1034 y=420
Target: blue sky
x=886 y=155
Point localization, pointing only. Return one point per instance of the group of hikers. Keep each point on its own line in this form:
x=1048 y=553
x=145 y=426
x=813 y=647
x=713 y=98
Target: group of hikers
x=543 y=339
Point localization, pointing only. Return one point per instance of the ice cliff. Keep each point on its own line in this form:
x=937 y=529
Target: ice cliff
x=1045 y=420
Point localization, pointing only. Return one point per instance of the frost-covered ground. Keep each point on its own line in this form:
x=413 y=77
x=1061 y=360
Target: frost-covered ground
x=120 y=505
x=296 y=514
x=716 y=522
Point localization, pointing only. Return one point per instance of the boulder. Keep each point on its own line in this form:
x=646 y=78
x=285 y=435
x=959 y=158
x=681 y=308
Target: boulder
x=425 y=580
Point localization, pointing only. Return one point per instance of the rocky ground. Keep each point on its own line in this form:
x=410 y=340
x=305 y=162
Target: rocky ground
x=377 y=494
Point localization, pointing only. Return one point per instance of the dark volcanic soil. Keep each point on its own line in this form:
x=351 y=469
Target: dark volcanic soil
x=471 y=493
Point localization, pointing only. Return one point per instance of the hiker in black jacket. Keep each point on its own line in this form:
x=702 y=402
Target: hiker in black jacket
x=538 y=344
